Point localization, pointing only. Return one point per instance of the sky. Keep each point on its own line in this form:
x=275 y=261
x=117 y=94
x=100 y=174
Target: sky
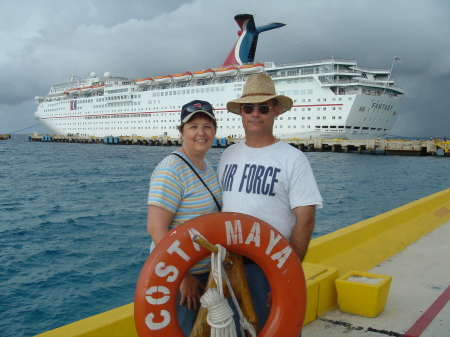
x=45 y=41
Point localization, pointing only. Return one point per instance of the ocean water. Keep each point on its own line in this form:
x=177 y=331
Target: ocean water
x=72 y=219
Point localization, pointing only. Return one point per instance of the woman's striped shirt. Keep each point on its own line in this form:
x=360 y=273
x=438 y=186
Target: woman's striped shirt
x=177 y=189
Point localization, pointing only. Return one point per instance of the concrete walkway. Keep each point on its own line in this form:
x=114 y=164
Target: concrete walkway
x=419 y=298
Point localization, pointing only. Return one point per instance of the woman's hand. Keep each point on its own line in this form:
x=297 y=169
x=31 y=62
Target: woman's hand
x=190 y=289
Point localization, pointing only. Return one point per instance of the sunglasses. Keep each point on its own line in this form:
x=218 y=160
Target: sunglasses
x=263 y=109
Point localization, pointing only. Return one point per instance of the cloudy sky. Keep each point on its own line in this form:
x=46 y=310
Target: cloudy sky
x=44 y=41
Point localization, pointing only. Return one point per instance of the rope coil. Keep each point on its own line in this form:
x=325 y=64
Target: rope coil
x=220 y=314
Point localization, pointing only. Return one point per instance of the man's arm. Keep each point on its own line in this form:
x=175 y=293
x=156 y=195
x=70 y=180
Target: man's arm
x=304 y=226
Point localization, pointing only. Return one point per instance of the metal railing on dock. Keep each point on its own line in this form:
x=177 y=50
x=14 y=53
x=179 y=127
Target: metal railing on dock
x=372 y=146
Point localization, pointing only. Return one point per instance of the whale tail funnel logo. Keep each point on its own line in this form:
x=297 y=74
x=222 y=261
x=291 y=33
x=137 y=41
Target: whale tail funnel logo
x=245 y=48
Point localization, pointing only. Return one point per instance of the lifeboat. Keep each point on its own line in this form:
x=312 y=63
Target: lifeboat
x=182 y=77
x=229 y=71
x=74 y=91
x=252 y=68
x=163 y=79
x=144 y=81
x=98 y=87
x=208 y=73
x=86 y=89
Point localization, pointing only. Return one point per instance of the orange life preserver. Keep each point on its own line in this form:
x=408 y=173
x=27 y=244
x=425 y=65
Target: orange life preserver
x=162 y=273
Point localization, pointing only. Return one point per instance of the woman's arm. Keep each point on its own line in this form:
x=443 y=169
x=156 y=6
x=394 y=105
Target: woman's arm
x=158 y=222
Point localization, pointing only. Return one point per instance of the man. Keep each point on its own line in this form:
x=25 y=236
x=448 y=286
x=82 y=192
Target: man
x=268 y=179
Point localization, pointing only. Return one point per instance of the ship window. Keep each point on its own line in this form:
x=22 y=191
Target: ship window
x=356 y=127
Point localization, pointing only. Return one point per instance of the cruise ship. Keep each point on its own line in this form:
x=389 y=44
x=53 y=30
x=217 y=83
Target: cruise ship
x=333 y=98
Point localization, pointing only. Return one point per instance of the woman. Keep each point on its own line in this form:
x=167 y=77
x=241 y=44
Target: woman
x=177 y=195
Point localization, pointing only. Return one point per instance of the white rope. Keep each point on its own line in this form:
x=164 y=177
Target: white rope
x=220 y=314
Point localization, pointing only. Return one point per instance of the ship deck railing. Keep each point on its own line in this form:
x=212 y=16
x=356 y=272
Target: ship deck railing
x=367 y=82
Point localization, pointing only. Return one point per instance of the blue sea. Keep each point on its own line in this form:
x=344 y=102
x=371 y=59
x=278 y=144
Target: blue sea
x=72 y=219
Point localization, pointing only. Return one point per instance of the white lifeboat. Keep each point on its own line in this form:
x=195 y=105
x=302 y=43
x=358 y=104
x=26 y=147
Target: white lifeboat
x=252 y=68
x=74 y=91
x=98 y=87
x=86 y=89
x=208 y=73
x=182 y=77
x=163 y=79
x=229 y=71
x=144 y=81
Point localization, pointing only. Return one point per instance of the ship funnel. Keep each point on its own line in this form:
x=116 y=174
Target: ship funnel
x=245 y=48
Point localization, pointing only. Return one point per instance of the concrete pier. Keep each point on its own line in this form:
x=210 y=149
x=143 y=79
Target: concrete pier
x=368 y=146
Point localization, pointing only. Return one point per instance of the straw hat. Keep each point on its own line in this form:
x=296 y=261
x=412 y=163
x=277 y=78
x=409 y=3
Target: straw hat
x=258 y=89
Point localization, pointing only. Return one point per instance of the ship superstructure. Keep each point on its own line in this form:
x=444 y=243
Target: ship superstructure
x=333 y=98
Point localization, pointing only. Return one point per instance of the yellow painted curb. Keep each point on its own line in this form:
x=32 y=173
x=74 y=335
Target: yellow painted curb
x=118 y=322
x=312 y=297
x=365 y=244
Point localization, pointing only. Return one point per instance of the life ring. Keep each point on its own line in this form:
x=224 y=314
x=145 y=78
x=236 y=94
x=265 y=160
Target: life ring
x=162 y=273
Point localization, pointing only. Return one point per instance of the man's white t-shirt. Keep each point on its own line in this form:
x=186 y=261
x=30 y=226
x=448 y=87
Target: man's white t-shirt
x=267 y=183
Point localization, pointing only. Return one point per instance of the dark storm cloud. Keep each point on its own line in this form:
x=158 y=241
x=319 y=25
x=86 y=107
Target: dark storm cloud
x=43 y=42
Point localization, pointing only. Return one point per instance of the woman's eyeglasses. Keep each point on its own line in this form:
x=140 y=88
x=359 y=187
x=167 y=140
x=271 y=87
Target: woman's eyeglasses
x=263 y=109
